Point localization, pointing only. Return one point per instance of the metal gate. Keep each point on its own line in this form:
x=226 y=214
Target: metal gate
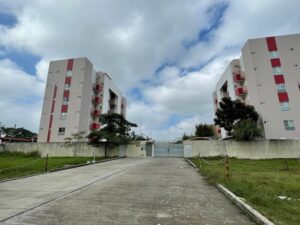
x=168 y=149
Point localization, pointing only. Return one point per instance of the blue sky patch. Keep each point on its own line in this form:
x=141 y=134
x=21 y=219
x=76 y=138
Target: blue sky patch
x=216 y=13
x=8 y=20
x=24 y=60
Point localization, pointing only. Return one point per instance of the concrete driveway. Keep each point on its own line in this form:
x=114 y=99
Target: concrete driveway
x=126 y=191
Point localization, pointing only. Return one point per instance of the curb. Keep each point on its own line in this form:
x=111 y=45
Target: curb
x=60 y=169
x=251 y=213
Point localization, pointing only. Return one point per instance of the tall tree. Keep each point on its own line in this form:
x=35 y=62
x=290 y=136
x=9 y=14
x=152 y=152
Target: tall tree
x=231 y=112
x=204 y=130
x=115 y=131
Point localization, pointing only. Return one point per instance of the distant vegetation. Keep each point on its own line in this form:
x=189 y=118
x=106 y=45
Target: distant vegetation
x=17 y=132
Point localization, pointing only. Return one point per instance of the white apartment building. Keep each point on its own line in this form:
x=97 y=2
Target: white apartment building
x=267 y=76
x=75 y=96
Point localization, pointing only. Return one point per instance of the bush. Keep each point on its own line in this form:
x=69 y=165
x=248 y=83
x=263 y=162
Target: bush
x=246 y=130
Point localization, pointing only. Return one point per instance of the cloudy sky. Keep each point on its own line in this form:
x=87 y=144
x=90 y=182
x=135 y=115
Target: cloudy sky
x=165 y=55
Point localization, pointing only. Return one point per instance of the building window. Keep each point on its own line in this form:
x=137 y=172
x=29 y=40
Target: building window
x=61 y=130
x=274 y=54
x=65 y=100
x=63 y=116
x=69 y=73
x=277 y=70
x=284 y=106
x=67 y=86
x=281 y=87
x=289 y=124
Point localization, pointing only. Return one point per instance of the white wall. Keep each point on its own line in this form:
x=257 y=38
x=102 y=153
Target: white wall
x=246 y=150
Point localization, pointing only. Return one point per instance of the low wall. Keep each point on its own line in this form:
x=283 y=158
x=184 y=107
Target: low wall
x=266 y=149
x=83 y=149
x=56 y=149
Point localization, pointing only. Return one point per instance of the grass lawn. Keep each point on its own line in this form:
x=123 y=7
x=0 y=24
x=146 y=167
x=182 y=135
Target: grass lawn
x=18 y=164
x=260 y=182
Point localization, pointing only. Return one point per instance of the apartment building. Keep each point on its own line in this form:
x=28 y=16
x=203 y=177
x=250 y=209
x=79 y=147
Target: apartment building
x=75 y=96
x=267 y=76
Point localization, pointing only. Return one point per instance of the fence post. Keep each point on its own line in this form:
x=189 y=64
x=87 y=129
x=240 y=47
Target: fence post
x=227 y=177
x=46 y=163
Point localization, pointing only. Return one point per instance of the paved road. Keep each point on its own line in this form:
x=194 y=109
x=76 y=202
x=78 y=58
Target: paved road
x=128 y=191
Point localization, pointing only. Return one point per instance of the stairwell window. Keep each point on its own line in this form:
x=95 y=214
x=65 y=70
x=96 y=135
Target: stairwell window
x=63 y=116
x=277 y=70
x=289 y=124
x=281 y=87
x=65 y=100
x=69 y=73
x=274 y=54
x=284 y=106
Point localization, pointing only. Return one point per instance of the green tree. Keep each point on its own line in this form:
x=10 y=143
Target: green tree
x=115 y=131
x=185 y=136
x=246 y=130
x=204 y=130
x=231 y=112
x=74 y=140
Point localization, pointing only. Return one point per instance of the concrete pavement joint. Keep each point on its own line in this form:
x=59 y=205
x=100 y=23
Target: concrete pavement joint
x=65 y=194
x=251 y=213
x=60 y=169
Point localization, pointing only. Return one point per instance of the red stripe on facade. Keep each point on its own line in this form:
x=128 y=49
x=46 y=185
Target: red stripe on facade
x=55 y=90
x=271 y=42
x=51 y=116
x=279 y=79
x=67 y=93
x=70 y=64
x=49 y=135
x=275 y=62
x=283 y=97
x=52 y=107
x=68 y=80
x=64 y=108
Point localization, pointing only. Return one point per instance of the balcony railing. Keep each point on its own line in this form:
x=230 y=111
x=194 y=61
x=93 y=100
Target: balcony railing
x=238 y=77
x=95 y=112
x=95 y=126
x=96 y=100
x=97 y=87
x=240 y=91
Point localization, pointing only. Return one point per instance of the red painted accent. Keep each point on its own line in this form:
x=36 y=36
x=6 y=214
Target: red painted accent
x=55 y=90
x=98 y=87
x=49 y=135
x=50 y=122
x=64 y=108
x=240 y=91
x=271 y=42
x=95 y=126
x=70 y=64
x=283 y=97
x=68 y=80
x=52 y=107
x=51 y=117
x=275 y=62
x=238 y=77
x=219 y=131
x=279 y=79
x=96 y=112
x=67 y=93
x=96 y=100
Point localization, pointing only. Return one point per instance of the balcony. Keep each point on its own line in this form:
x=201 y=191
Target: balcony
x=238 y=77
x=96 y=100
x=241 y=91
x=97 y=87
x=95 y=126
x=95 y=112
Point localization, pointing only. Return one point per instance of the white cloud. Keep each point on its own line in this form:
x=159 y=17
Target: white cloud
x=20 y=96
x=130 y=40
